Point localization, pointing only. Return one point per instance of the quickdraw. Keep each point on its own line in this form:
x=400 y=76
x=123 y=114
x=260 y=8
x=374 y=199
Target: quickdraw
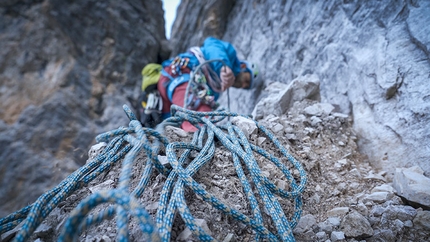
x=200 y=93
x=179 y=64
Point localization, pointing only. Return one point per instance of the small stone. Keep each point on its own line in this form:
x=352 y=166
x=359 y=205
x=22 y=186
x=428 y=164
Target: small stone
x=95 y=150
x=325 y=226
x=163 y=159
x=384 y=235
x=229 y=238
x=377 y=211
x=186 y=233
x=179 y=132
x=247 y=126
x=315 y=121
x=411 y=184
x=152 y=206
x=356 y=225
x=362 y=209
x=373 y=176
x=277 y=128
x=260 y=140
x=408 y=223
x=399 y=212
x=334 y=221
x=319 y=109
x=383 y=188
x=340 y=115
x=281 y=184
x=305 y=223
x=43 y=230
x=378 y=197
x=343 y=162
x=422 y=219
x=105 y=238
x=338 y=212
x=337 y=235
x=321 y=235
x=103 y=186
x=397 y=226
x=291 y=136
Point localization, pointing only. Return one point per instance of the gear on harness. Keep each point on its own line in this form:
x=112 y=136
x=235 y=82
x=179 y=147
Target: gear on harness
x=200 y=93
x=150 y=108
x=150 y=103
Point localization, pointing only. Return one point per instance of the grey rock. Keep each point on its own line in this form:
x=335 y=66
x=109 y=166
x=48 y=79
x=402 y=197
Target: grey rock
x=106 y=185
x=319 y=109
x=377 y=210
x=422 y=219
x=383 y=235
x=178 y=131
x=337 y=236
x=356 y=225
x=383 y=188
x=163 y=159
x=338 y=212
x=321 y=235
x=401 y=212
x=247 y=126
x=386 y=104
x=305 y=224
x=325 y=227
x=378 y=197
x=279 y=103
x=95 y=150
x=411 y=184
x=277 y=128
x=335 y=221
x=408 y=223
x=186 y=233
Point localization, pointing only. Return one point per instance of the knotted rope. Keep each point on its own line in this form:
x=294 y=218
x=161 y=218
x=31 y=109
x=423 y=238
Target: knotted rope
x=128 y=142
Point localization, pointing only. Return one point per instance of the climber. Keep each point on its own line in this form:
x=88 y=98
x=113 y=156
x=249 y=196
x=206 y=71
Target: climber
x=222 y=71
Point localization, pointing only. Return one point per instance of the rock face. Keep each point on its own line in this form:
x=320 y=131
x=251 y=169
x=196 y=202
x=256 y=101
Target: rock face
x=196 y=20
x=66 y=68
x=372 y=60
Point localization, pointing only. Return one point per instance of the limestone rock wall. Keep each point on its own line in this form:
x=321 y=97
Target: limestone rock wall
x=372 y=59
x=66 y=69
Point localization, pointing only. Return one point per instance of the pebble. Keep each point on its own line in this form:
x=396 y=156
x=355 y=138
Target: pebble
x=337 y=235
x=305 y=223
x=356 y=225
x=334 y=221
x=378 y=197
x=338 y=212
x=422 y=219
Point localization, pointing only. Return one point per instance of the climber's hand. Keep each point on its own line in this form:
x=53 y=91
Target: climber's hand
x=227 y=78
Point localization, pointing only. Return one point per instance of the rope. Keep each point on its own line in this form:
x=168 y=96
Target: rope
x=128 y=142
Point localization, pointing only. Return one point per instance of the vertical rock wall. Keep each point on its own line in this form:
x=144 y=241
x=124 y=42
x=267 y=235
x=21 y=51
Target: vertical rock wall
x=66 y=69
x=372 y=59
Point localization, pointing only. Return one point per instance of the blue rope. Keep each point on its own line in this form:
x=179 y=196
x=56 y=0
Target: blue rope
x=128 y=142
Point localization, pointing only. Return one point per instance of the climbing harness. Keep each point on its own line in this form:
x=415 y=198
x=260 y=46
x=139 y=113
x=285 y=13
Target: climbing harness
x=127 y=142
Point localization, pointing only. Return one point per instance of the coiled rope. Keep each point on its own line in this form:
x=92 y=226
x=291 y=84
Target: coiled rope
x=128 y=142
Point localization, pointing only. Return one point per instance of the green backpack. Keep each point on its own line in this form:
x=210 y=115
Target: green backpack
x=150 y=104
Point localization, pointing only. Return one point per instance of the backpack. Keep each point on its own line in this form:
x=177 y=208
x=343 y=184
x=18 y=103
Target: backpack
x=150 y=104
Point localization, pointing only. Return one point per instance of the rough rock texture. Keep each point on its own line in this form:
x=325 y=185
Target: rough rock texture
x=372 y=58
x=336 y=202
x=196 y=20
x=66 y=68
x=412 y=185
